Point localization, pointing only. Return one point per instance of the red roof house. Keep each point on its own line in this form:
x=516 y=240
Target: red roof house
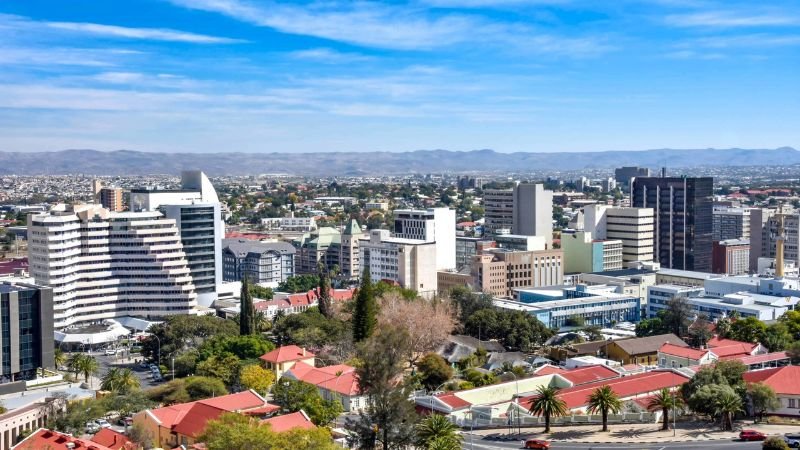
x=337 y=381
x=284 y=358
x=785 y=381
x=287 y=422
x=112 y=439
x=53 y=440
x=673 y=356
x=588 y=374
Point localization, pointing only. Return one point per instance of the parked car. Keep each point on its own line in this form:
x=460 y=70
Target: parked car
x=537 y=444
x=752 y=435
x=111 y=351
x=792 y=440
x=125 y=421
x=102 y=423
x=92 y=427
x=157 y=377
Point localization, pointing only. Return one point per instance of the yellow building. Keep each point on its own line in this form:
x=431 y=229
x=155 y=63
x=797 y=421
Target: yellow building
x=643 y=351
x=284 y=358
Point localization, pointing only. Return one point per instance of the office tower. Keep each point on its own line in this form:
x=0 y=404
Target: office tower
x=260 y=262
x=498 y=205
x=633 y=226
x=411 y=263
x=349 y=265
x=97 y=185
x=103 y=264
x=499 y=271
x=581 y=184
x=436 y=225
x=330 y=247
x=608 y=184
x=467 y=247
x=26 y=318
x=623 y=175
x=111 y=199
x=584 y=254
x=764 y=235
x=196 y=211
x=731 y=256
x=525 y=209
x=731 y=223
x=683 y=219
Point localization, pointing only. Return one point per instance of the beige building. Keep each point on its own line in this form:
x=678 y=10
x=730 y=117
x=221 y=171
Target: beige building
x=499 y=272
x=633 y=226
x=28 y=418
x=447 y=280
x=410 y=263
x=332 y=248
x=111 y=199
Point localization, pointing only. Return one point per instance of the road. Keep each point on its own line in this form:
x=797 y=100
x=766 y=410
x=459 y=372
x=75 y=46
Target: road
x=486 y=444
x=105 y=362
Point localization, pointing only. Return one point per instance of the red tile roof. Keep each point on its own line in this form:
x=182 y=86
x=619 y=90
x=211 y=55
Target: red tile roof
x=111 y=438
x=782 y=380
x=683 y=352
x=588 y=374
x=287 y=353
x=759 y=359
x=194 y=420
x=10 y=266
x=171 y=416
x=53 y=440
x=548 y=369
x=309 y=298
x=286 y=422
x=453 y=402
x=740 y=349
x=625 y=387
x=340 y=378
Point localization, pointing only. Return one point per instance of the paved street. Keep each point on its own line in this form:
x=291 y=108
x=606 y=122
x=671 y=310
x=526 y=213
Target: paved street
x=106 y=362
x=482 y=444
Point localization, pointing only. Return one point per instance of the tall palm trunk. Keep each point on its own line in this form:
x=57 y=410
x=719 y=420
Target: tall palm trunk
x=666 y=419
x=547 y=423
x=605 y=420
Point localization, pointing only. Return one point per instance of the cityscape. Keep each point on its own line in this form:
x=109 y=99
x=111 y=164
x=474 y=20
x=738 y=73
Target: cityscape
x=411 y=225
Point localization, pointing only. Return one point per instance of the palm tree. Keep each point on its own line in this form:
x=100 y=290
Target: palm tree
x=726 y=405
x=664 y=401
x=87 y=365
x=59 y=358
x=439 y=433
x=74 y=362
x=547 y=404
x=604 y=400
x=119 y=380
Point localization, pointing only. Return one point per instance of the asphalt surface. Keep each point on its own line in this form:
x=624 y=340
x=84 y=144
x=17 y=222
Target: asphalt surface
x=488 y=444
x=106 y=362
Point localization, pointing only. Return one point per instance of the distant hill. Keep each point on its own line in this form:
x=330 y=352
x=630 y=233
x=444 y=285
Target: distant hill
x=122 y=162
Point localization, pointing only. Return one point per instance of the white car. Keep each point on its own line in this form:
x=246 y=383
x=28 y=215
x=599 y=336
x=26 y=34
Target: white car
x=111 y=352
x=103 y=423
x=792 y=440
x=92 y=427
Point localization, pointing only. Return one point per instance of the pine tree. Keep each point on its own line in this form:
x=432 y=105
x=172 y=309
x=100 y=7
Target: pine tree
x=325 y=306
x=247 y=314
x=365 y=312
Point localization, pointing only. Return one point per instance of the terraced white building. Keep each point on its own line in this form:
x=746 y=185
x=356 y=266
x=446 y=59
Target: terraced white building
x=103 y=264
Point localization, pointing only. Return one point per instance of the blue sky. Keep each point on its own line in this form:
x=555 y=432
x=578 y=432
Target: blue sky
x=332 y=75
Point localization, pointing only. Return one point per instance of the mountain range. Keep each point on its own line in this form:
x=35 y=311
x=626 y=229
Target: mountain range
x=128 y=162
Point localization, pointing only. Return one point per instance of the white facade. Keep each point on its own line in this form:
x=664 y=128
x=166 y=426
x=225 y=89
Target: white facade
x=533 y=211
x=407 y=262
x=633 y=226
x=731 y=223
x=102 y=264
x=303 y=224
x=437 y=225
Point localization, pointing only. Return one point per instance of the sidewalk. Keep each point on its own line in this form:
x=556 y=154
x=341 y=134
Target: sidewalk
x=635 y=433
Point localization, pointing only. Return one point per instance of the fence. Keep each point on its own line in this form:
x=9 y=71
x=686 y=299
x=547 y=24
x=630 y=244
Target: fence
x=533 y=421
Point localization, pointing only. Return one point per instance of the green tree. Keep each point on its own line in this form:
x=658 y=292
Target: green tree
x=792 y=321
x=120 y=380
x=677 y=316
x=723 y=327
x=777 y=337
x=438 y=432
x=243 y=347
x=224 y=367
x=257 y=378
x=664 y=401
x=748 y=329
x=726 y=405
x=261 y=292
x=547 y=404
x=247 y=312
x=298 y=283
x=232 y=431
x=700 y=332
x=763 y=399
x=182 y=332
x=310 y=329
x=434 y=370
x=774 y=443
x=88 y=366
x=793 y=351
x=199 y=388
x=59 y=358
x=295 y=395
x=365 y=310
x=325 y=301
x=604 y=400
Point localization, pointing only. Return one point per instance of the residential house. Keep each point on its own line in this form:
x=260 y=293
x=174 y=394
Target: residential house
x=784 y=381
x=294 y=421
x=459 y=347
x=44 y=439
x=728 y=348
x=29 y=417
x=643 y=350
x=284 y=358
x=338 y=382
x=762 y=361
x=113 y=439
x=297 y=303
x=674 y=356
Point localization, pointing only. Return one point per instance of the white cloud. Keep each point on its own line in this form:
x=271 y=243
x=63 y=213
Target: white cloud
x=732 y=19
x=739 y=41
x=329 y=56
x=491 y=3
x=157 y=34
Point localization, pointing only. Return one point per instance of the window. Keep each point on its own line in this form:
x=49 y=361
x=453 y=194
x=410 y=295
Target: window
x=792 y=403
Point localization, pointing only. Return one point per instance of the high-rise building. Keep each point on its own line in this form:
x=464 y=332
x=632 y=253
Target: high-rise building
x=260 y=262
x=197 y=212
x=764 y=235
x=330 y=247
x=525 y=209
x=633 y=226
x=623 y=175
x=436 y=225
x=731 y=256
x=26 y=330
x=499 y=271
x=731 y=223
x=411 y=263
x=111 y=199
x=683 y=219
x=467 y=247
x=102 y=264
x=583 y=254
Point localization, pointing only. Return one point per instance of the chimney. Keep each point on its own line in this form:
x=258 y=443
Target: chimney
x=304 y=351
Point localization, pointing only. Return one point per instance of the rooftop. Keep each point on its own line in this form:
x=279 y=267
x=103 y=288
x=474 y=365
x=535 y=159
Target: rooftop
x=287 y=353
x=782 y=380
x=648 y=344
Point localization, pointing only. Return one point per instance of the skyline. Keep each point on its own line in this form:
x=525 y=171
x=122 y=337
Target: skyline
x=509 y=75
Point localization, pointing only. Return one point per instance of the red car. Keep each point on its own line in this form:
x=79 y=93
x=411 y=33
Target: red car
x=752 y=435
x=537 y=444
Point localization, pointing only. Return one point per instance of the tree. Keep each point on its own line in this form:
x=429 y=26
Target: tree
x=88 y=366
x=434 y=370
x=777 y=337
x=261 y=292
x=792 y=321
x=775 y=443
x=427 y=323
x=763 y=399
x=664 y=401
x=793 y=351
x=59 y=358
x=547 y=404
x=726 y=405
x=257 y=378
x=295 y=395
x=604 y=400
x=468 y=303
x=181 y=332
x=390 y=417
x=247 y=312
x=199 y=388
x=439 y=430
x=225 y=367
x=325 y=302
x=677 y=316
x=748 y=329
x=120 y=380
x=516 y=330
x=141 y=436
x=310 y=329
x=365 y=309
x=232 y=431
x=700 y=332
x=723 y=327
x=243 y=347
x=298 y=283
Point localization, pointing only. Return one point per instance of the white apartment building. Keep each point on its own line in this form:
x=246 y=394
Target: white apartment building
x=197 y=212
x=291 y=223
x=525 y=209
x=103 y=264
x=410 y=263
x=730 y=223
x=437 y=225
x=633 y=226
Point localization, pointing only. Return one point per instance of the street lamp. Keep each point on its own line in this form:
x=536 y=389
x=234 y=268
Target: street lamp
x=430 y=396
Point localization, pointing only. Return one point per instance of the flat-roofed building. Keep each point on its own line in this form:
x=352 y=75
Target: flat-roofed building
x=410 y=263
x=499 y=272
